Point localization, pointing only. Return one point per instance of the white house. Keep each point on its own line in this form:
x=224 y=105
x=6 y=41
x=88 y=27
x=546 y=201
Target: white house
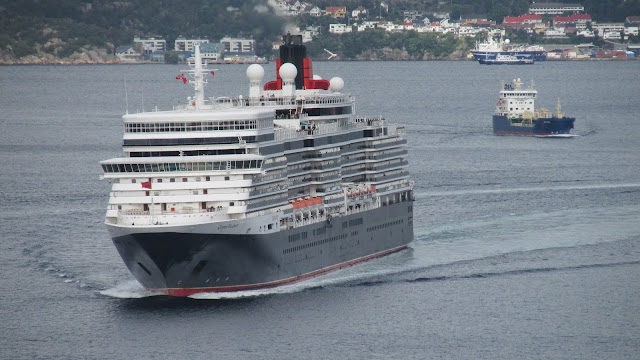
x=212 y=52
x=127 y=53
x=555 y=33
x=466 y=30
x=315 y=11
x=184 y=44
x=586 y=33
x=238 y=45
x=359 y=11
x=631 y=30
x=151 y=44
x=339 y=28
x=309 y=33
x=612 y=35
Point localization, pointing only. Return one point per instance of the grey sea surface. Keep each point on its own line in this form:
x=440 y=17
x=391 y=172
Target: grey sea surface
x=525 y=248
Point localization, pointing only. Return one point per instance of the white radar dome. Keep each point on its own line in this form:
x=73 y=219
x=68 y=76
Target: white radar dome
x=288 y=72
x=506 y=41
x=255 y=72
x=336 y=84
x=317 y=77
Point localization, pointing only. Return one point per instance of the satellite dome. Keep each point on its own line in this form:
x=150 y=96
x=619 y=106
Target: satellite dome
x=255 y=72
x=317 y=77
x=336 y=84
x=506 y=41
x=288 y=72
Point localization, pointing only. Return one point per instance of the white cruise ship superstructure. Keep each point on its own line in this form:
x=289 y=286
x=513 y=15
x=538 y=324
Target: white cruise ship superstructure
x=228 y=194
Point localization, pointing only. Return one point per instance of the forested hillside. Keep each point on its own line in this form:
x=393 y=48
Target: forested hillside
x=45 y=31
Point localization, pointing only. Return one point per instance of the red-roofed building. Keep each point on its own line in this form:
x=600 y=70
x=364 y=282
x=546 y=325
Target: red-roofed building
x=336 y=11
x=527 y=22
x=575 y=20
x=523 y=19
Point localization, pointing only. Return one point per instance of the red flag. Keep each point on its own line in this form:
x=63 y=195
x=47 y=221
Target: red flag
x=146 y=184
x=212 y=73
x=182 y=77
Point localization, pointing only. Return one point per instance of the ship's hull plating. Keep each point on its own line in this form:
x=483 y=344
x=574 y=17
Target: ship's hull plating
x=183 y=264
x=540 y=127
x=504 y=57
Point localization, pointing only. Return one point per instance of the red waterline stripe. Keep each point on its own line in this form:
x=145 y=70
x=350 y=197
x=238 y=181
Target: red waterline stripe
x=191 y=291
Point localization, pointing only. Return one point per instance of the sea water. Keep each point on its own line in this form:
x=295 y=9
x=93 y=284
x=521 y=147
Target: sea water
x=524 y=247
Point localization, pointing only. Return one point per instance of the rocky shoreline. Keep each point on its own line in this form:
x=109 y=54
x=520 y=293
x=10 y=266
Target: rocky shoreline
x=97 y=56
x=88 y=56
x=103 y=56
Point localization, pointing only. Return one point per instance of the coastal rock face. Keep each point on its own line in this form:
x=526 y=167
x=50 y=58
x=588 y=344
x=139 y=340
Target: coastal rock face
x=384 y=54
x=88 y=55
x=390 y=54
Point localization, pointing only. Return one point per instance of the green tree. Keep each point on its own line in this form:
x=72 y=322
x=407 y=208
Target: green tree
x=171 y=57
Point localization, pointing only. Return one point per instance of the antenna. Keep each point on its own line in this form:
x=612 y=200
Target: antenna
x=126 y=96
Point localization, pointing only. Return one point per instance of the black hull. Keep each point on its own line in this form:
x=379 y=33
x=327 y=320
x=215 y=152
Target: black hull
x=183 y=264
x=540 y=127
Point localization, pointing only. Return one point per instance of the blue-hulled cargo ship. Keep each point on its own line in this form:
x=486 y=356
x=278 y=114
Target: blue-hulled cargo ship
x=516 y=114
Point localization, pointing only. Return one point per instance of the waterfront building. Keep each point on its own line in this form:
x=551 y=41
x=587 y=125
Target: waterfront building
x=608 y=29
x=184 y=44
x=212 y=52
x=128 y=54
x=238 y=45
x=578 y=21
x=151 y=44
x=554 y=8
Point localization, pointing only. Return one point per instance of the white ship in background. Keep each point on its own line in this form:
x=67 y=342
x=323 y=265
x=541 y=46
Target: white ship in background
x=502 y=51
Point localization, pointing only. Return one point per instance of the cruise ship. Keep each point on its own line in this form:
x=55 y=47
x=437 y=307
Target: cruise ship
x=238 y=193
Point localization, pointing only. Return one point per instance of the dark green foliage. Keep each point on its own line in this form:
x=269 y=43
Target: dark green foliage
x=350 y=45
x=171 y=57
x=61 y=27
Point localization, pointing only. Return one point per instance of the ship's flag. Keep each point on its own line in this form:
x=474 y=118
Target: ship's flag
x=213 y=73
x=182 y=77
x=146 y=184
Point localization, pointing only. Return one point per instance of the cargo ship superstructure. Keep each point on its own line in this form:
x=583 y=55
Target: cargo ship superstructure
x=227 y=194
x=516 y=114
x=500 y=52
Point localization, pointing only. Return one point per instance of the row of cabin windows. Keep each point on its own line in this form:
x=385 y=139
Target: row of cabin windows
x=187 y=153
x=190 y=166
x=184 y=179
x=193 y=126
x=315 y=243
x=298 y=236
x=385 y=225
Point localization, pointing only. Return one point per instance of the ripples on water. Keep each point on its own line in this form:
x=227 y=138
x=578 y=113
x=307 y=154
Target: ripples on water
x=511 y=234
